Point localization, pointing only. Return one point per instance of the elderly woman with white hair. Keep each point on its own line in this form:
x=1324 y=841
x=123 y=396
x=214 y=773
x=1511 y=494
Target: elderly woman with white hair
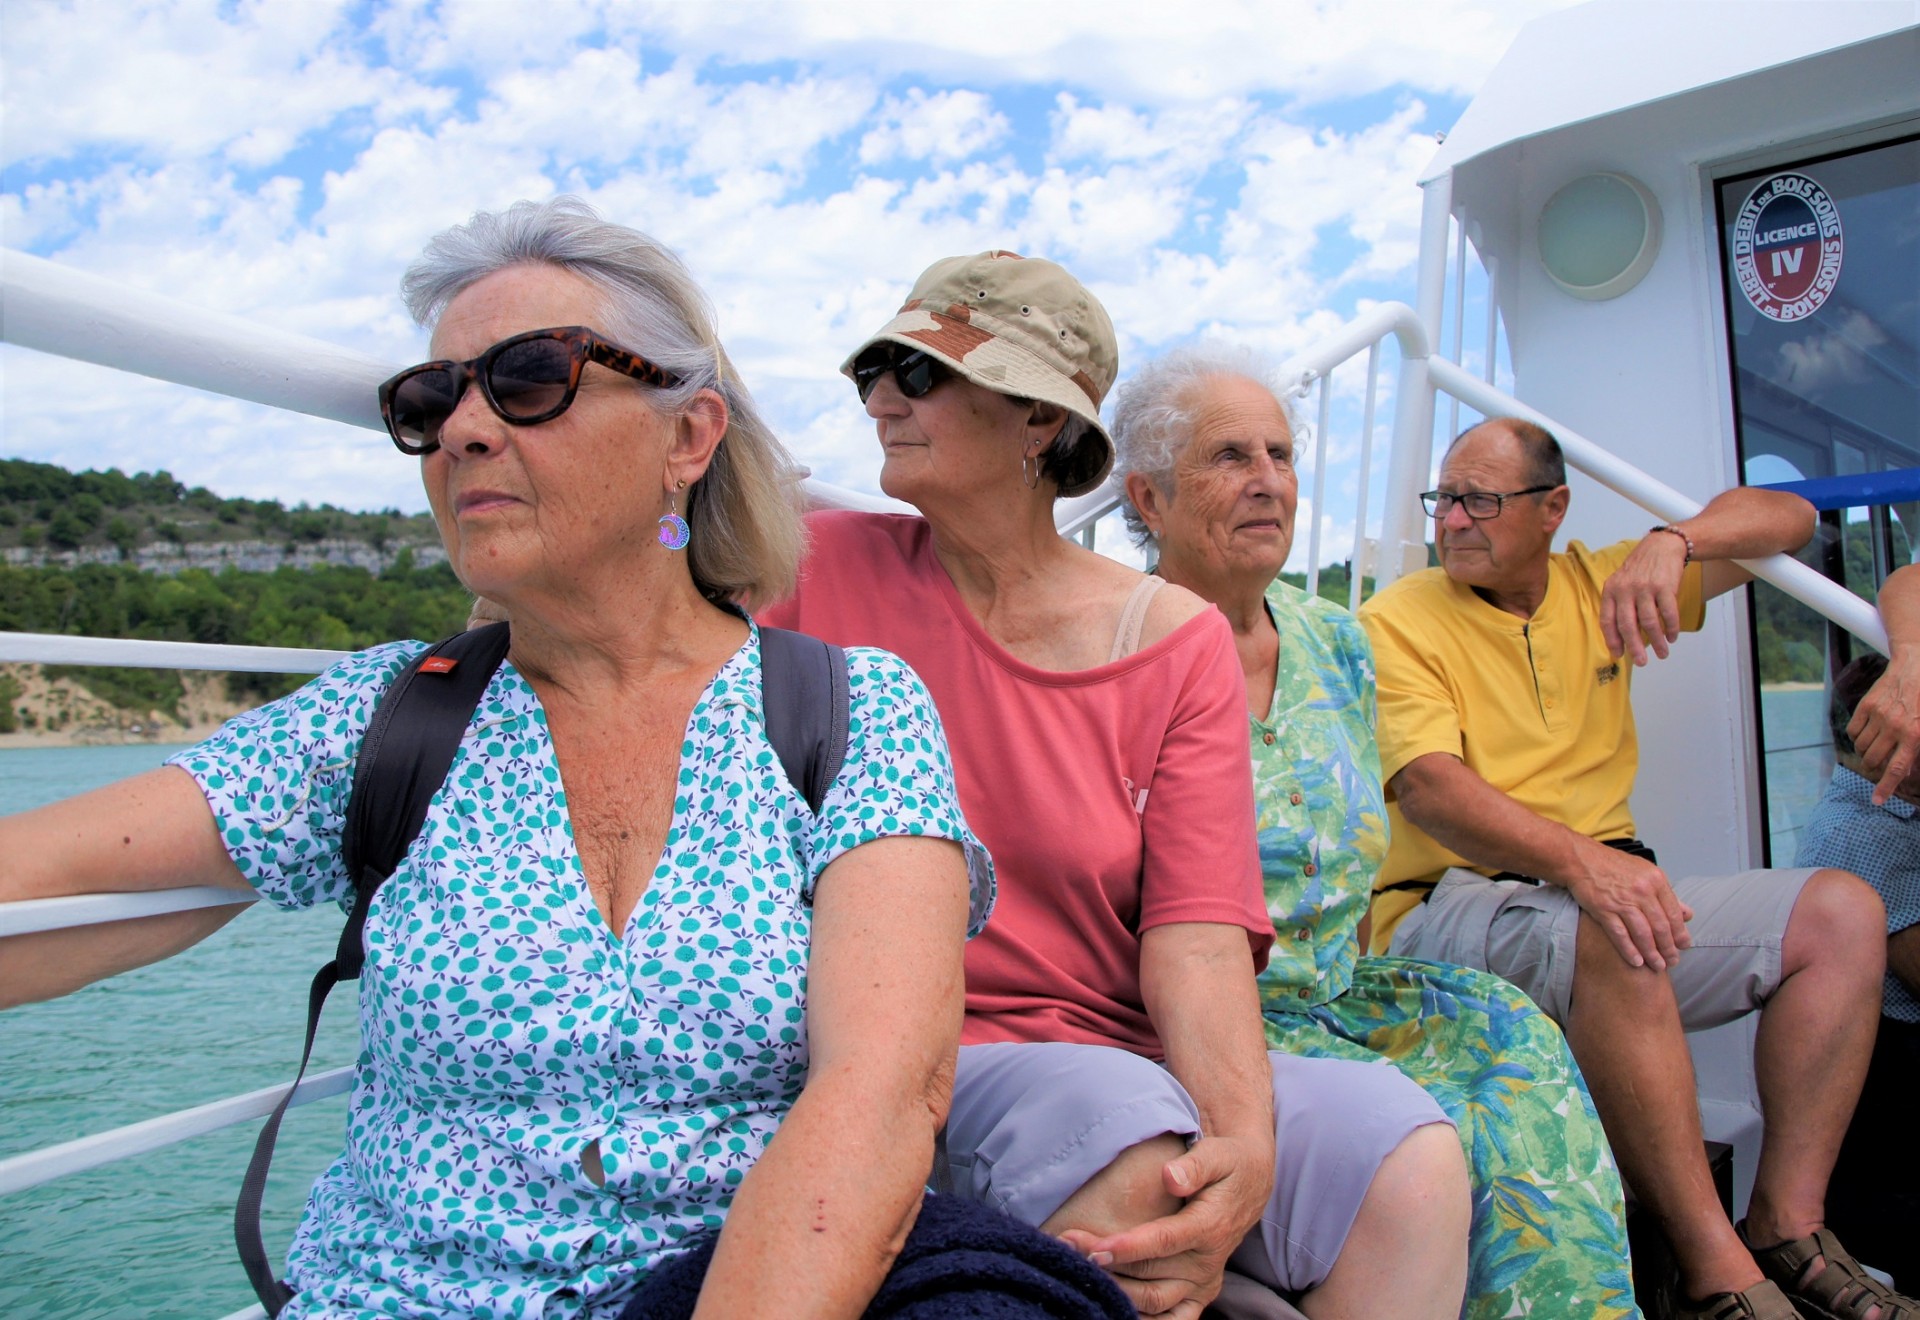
x=1208 y=450
x=627 y=986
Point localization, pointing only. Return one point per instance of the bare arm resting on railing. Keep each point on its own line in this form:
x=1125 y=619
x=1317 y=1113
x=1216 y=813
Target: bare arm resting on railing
x=153 y=831
x=1640 y=603
x=1886 y=724
x=1631 y=898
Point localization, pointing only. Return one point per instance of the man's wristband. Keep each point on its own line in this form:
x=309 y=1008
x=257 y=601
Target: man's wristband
x=1684 y=539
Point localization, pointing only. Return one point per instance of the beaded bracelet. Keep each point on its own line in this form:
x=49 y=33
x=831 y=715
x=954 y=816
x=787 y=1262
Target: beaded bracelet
x=1687 y=540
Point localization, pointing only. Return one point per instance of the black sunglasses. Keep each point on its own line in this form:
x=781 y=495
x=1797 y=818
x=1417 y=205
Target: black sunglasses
x=913 y=370
x=526 y=380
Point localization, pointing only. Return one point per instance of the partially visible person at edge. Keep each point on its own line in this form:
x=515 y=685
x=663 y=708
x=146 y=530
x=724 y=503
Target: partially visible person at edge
x=1873 y=1199
x=595 y=1026
x=1112 y=1016
x=1507 y=738
x=1207 y=451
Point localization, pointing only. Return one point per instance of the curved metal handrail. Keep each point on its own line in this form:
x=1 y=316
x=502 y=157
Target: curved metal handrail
x=1827 y=598
x=34 y=1167
x=133 y=653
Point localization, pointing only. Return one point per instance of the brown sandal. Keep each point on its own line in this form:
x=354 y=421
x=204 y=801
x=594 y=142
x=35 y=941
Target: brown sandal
x=1839 y=1290
x=1763 y=1301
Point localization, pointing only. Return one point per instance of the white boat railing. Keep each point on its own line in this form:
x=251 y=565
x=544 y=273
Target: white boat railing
x=55 y=309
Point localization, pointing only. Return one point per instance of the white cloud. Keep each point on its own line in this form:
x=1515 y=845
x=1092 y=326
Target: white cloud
x=285 y=161
x=1194 y=136
x=190 y=78
x=942 y=127
x=1124 y=50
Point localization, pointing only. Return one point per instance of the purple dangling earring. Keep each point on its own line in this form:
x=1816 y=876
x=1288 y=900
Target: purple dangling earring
x=674 y=532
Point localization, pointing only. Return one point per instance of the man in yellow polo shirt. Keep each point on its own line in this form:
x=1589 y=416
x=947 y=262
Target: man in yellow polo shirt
x=1506 y=736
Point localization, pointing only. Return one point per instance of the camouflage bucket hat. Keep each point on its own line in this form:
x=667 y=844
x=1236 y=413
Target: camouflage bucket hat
x=1020 y=326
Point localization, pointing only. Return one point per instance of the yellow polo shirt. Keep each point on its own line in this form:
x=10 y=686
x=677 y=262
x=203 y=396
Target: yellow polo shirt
x=1536 y=707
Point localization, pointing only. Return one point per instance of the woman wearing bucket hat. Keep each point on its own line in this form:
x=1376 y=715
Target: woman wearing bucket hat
x=1113 y=1085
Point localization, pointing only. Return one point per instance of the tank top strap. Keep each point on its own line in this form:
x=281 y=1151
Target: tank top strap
x=1126 y=640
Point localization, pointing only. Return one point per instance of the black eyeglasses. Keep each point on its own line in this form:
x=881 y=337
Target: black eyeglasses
x=526 y=380
x=913 y=370
x=1479 y=505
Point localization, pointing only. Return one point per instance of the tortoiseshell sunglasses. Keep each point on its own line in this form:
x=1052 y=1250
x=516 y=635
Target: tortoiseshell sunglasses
x=526 y=380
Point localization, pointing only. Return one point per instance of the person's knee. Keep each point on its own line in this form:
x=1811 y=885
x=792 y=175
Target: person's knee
x=1034 y=1125
x=1425 y=1177
x=1130 y=1191
x=1599 y=970
x=1838 y=915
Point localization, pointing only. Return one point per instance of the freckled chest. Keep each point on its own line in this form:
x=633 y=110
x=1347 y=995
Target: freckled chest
x=619 y=768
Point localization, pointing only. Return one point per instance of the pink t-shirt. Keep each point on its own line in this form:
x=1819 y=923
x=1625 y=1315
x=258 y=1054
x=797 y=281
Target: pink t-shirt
x=1113 y=799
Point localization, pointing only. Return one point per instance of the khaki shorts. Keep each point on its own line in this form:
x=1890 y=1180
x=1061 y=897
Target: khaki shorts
x=1525 y=933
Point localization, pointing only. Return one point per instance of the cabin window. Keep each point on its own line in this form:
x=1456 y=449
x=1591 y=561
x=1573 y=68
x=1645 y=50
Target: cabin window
x=1820 y=262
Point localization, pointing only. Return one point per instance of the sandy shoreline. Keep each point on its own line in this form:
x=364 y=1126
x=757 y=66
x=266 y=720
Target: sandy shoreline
x=164 y=735
x=63 y=713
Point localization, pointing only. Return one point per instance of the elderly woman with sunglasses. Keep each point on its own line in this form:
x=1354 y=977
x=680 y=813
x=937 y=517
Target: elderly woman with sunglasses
x=626 y=985
x=1113 y=1084
x=1207 y=451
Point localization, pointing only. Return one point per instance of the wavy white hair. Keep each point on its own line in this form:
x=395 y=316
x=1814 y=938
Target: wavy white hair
x=1155 y=409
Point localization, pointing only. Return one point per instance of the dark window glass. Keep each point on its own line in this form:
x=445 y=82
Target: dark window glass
x=1821 y=259
x=1823 y=324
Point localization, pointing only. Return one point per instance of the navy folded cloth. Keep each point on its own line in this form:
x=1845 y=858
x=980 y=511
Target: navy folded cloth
x=963 y=1261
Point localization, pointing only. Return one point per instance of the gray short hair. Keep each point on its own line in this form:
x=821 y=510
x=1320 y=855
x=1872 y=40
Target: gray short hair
x=747 y=535
x=1154 y=412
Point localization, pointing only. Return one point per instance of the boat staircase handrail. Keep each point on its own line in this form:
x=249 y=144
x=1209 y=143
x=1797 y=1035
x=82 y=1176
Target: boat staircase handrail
x=56 y=309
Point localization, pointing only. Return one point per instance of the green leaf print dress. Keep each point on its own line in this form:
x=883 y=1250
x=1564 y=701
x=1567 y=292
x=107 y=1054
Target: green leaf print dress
x=1548 y=1236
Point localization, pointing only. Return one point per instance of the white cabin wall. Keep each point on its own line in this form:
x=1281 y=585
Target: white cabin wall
x=1646 y=375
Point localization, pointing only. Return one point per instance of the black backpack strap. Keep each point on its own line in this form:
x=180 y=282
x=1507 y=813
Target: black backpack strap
x=803 y=690
x=404 y=758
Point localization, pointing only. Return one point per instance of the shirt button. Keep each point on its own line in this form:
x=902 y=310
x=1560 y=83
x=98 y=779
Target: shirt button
x=1305 y=992
x=1295 y=798
x=1267 y=738
x=1310 y=869
x=1549 y=703
x=1303 y=934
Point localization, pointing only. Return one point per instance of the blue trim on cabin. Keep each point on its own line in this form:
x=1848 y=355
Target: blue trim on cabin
x=1894 y=486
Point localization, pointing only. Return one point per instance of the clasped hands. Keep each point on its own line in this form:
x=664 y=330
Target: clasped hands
x=1171 y=1267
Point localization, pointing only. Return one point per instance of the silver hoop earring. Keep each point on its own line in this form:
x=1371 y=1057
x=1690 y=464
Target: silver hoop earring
x=674 y=532
x=1030 y=470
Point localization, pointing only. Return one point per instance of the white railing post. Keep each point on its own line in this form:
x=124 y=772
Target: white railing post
x=1403 y=541
x=1358 y=570
x=1323 y=423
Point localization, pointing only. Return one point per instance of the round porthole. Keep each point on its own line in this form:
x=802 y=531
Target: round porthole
x=1599 y=235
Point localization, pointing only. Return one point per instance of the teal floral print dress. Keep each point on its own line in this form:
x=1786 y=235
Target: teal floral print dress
x=504 y=1026
x=1548 y=1236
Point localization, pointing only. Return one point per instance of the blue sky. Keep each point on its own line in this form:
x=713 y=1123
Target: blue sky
x=1245 y=171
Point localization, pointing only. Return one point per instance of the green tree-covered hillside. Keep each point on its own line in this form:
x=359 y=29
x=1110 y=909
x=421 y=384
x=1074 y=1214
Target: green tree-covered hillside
x=43 y=506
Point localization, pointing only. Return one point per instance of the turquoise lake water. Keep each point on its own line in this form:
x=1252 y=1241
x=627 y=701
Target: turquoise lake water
x=151 y=1236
